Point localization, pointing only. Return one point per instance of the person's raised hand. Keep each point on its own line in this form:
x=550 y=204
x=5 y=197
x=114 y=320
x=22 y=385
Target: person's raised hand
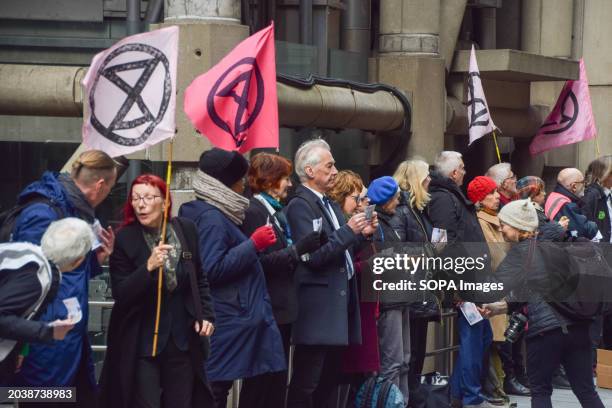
x=357 y=223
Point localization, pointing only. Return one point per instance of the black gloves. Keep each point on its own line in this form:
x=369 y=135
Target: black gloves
x=309 y=243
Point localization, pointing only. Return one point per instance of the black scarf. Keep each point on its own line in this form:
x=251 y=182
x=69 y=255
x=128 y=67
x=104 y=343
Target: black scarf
x=77 y=198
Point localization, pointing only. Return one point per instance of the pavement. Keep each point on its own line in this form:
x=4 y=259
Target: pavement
x=565 y=399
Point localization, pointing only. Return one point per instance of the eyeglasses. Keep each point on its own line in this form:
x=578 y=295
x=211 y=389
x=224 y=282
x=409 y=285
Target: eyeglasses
x=148 y=200
x=358 y=199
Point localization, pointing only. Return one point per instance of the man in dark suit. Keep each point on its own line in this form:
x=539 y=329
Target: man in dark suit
x=328 y=305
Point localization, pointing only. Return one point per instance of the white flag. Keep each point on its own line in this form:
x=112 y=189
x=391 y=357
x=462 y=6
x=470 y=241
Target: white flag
x=479 y=115
x=131 y=89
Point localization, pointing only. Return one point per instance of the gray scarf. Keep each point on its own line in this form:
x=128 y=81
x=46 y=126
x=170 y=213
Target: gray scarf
x=77 y=198
x=217 y=194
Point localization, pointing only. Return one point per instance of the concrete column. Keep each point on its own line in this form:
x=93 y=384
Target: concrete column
x=211 y=10
x=546 y=27
x=409 y=59
x=451 y=16
x=410 y=27
x=208 y=31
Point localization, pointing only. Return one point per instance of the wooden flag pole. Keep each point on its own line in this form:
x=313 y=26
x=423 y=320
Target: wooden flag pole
x=163 y=239
x=597 y=151
x=496 y=147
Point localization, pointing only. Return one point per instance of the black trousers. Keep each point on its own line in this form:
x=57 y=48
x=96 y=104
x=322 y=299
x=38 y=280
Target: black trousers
x=268 y=390
x=316 y=372
x=511 y=355
x=573 y=350
x=166 y=380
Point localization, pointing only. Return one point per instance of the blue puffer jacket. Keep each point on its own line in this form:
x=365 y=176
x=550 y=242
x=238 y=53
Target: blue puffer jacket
x=56 y=364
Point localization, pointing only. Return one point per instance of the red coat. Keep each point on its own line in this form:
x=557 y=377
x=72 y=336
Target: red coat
x=364 y=357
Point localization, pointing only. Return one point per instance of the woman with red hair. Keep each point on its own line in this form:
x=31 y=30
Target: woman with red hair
x=170 y=373
x=268 y=178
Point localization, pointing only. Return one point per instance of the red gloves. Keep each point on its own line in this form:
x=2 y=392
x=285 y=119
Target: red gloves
x=263 y=237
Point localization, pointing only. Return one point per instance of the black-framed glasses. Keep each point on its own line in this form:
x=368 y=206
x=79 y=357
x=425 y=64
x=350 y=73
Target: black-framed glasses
x=148 y=200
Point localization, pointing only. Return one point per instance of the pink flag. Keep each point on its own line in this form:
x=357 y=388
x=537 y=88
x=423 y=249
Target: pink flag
x=234 y=104
x=570 y=121
x=131 y=89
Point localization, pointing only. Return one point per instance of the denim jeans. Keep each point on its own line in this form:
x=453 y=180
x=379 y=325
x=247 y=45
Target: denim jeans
x=474 y=341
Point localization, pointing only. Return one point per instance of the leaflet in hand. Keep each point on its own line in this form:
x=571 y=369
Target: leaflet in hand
x=471 y=313
x=73 y=306
x=438 y=235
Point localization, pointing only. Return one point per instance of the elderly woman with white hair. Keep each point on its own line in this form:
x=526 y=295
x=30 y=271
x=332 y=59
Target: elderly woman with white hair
x=29 y=279
x=505 y=179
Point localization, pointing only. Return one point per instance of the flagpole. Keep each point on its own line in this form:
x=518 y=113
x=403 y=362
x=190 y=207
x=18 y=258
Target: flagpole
x=597 y=151
x=496 y=147
x=163 y=238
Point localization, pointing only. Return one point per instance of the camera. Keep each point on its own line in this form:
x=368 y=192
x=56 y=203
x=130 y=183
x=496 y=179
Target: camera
x=516 y=326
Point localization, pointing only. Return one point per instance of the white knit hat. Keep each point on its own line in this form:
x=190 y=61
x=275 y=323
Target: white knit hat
x=519 y=214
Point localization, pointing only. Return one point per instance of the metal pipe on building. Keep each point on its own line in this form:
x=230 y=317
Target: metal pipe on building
x=228 y=11
x=39 y=90
x=355 y=24
x=306 y=22
x=56 y=91
x=516 y=123
x=338 y=108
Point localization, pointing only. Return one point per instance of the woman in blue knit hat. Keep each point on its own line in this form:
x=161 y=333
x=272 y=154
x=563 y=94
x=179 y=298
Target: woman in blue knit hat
x=394 y=320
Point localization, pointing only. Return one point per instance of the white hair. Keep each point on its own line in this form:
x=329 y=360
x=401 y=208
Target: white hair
x=447 y=161
x=307 y=155
x=67 y=240
x=499 y=172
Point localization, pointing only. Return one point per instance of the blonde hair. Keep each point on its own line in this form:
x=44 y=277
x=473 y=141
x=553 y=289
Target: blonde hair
x=92 y=166
x=346 y=182
x=410 y=175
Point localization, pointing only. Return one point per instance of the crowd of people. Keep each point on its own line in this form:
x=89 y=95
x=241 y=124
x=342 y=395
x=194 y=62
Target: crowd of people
x=241 y=280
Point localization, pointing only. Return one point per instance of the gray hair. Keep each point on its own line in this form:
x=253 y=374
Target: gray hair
x=306 y=155
x=67 y=240
x=499 y=172
x=447 y=161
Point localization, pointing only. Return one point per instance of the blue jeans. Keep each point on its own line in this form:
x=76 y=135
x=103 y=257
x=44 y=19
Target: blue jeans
x=473 y=342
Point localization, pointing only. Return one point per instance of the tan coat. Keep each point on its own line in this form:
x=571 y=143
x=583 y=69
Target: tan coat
x=491 y=229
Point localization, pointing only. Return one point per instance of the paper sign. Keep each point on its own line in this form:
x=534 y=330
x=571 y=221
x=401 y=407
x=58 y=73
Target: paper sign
x=74 y=309
x=438 y=235
x=97 y=230
x=471 y=313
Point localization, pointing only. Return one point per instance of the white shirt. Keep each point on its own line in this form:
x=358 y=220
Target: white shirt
x=332 y=214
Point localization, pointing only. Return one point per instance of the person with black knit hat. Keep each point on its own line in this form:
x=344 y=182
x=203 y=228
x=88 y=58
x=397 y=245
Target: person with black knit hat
x=247 y=341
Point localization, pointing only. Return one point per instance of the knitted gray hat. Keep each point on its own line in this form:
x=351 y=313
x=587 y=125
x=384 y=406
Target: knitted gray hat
x=520 y=214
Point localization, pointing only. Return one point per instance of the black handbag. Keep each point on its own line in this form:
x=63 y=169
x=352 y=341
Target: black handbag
x=190 y=267
x=433 y=392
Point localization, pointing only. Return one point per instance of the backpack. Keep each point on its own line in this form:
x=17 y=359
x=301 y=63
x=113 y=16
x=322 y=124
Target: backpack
x=579 y=279
x=9 y=217
x=376 y=392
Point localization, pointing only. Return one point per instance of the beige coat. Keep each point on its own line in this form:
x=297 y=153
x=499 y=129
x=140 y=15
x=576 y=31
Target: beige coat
x=491 y=229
